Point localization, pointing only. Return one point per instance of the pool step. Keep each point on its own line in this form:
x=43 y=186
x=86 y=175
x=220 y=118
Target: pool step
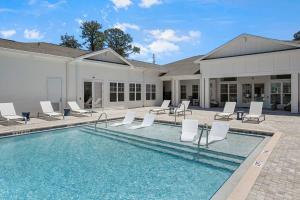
x=203 y=151
x=173 y=150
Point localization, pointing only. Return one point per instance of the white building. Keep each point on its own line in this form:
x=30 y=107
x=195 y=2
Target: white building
x=32 y=72
x=247 y=68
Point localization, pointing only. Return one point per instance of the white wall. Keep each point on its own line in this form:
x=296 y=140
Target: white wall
x=23 y=79
x=285 y=62
x=107 y=72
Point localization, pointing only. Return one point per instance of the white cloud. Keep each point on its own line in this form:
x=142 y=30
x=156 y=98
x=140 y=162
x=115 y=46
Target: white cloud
x=125 y=26
x=7 y=33
x=54 y=5
x=162 y=46
x=121 y=3
x=149 y=3
x=171 y=36
x=32 y=34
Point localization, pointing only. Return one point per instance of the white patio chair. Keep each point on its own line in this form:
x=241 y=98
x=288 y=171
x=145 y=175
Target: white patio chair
x=217 y=132
x=129 y=118
x=164 y=106
x=148 y=121
x=48 y=109
x=183 y=107
x=255 y=112
x=227 y=112
x=189 y=130
x=76 y=109
x=7 y=111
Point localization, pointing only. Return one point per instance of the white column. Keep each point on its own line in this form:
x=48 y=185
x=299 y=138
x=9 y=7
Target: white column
x=295 y=93
x=177 y=91
x=206 y=93
x=202 y=92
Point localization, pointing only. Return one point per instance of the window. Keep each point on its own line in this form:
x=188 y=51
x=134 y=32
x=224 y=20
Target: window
x=138 y=92
x=134 y=92
x=247 y=93
x=281 y=92
x=131 y=92
x=113 y=92
x=116 y=92
x=183 y=91
x=228 y=92
x=120 y=91
x=229 y=79
x=195 y=91
x=150 y=92
x=153 y=96
x=282 y=76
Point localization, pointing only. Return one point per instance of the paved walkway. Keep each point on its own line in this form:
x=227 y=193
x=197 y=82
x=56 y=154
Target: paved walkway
x=280 y=176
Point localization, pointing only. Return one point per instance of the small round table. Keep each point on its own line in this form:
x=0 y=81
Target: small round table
x=239 y=115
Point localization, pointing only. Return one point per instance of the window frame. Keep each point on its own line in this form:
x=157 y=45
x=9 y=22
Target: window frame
x=119 y=91
x=150 y=92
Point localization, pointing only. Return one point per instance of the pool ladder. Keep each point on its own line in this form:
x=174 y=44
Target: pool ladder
x=202 y=130
x=98 y=120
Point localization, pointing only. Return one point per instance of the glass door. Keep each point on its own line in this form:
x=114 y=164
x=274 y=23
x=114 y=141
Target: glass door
x=97 y=95
x=88 y=95
x=246 y=93
x=259 y=92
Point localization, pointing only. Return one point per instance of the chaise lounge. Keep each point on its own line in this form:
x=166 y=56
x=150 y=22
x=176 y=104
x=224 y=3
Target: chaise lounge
x=255 y=112
x=7 y=111
x=76 y=109
x=48 y=109
x=227 y=112
x=164 y=106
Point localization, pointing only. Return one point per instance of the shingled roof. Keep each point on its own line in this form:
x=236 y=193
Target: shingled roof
x=183 y=67
x=43 y=47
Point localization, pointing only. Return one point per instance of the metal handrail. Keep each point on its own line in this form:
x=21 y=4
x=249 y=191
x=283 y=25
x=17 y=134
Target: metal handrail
x=207 y=132
x=105 y=114
x=176 y=112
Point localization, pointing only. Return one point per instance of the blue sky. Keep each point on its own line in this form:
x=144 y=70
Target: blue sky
x=172 y=29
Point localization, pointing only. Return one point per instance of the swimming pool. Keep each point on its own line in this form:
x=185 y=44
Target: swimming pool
x=81 y=163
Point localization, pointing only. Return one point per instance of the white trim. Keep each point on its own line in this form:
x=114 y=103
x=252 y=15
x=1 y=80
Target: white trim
x=246 y=35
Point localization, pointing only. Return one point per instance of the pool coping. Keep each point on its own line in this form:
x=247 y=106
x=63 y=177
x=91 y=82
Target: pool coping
x=238 y=191
x=243 y=188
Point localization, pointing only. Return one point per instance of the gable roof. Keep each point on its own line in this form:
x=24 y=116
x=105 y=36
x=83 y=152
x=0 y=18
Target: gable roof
x=185 y=66
x=43 y=47
x=246 y=44
x=147 y=65
x=105 y=55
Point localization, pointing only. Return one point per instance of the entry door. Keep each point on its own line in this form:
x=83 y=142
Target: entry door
x=92 y=94
x=259 y=92
x=54 y=92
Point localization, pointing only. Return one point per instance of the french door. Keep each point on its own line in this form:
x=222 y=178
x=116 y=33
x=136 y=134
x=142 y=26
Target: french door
x=92 y=92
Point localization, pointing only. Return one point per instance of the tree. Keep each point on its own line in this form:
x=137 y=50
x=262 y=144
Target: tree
x=120 y=42
x=297 y=36
x=69 y=41
x=93 y=37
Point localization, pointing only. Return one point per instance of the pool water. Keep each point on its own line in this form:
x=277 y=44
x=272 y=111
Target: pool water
x=78 y=163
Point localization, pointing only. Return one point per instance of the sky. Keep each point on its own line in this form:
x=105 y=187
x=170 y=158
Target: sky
x=170 y=29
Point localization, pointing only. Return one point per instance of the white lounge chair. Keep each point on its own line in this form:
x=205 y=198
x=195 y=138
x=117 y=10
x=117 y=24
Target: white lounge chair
x=227 y=112
x=7 y=111
x=183 y=108
x=255 y=112
x=48 y=109
x=164 y=106
x=129 y=118
x=217 y=132
x=148 y=121
x=75 y=108
x=189 y=130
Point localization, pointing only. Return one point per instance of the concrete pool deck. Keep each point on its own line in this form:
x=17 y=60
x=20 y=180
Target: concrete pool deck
x=279 y=177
